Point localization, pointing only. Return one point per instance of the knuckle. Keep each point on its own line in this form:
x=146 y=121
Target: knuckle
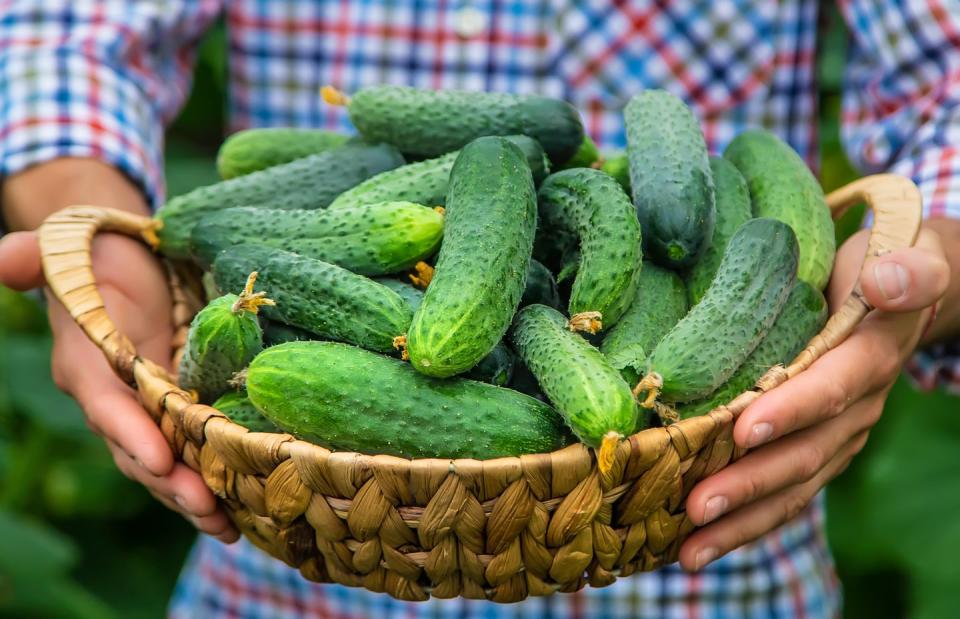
x=753 y=487
x=793 y=505
x=837 y=397
x=810 y=462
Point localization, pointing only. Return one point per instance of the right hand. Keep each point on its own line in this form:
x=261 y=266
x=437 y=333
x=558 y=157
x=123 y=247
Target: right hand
x=134 y=289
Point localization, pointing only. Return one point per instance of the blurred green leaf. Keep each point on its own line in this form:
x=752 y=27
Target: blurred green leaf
x=31 y=548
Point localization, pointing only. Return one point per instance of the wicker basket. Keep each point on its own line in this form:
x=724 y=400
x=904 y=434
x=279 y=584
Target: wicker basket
x=500 y=529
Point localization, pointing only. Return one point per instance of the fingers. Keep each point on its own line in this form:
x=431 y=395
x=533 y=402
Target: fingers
x=907 y=279
x=20 y=267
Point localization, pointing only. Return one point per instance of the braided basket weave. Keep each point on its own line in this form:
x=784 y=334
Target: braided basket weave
x=500 y=529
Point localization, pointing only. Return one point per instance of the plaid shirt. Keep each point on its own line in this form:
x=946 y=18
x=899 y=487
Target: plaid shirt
x=100 y=78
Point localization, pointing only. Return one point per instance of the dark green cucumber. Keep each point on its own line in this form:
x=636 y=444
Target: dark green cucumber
x=782 y=186
x=541 y=287
x=408 y=292
x=711 y=342
x=428 y=123
x=802 y=317
x=238 y=409
x=618 y=166
x=733 y=210
x=257 y=149
x=348 y=399
x=659 y=304
x=481 y=270
x=307 y=183
x=670 y=177
x=319 y=297
x=587 y=391
x=222 y=340
x=372 y=240
x=425 y=182
x=586 y=155
x=590 y=207
x=278 y=333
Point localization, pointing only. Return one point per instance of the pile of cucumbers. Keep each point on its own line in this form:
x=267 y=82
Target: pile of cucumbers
x=467 y=278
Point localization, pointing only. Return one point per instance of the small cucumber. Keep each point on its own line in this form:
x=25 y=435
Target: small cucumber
x=278 y=333
x=481 y=270
x=782 y=187
x=670 y=177
x=589 y=393
x=319 y=297
x=223 y=338
x=238 y=409
x=541 y=287
x=372 y=240
x=733 y=210
x=257 y=149
x=348 y=399
x=586 y=155
x=589 y=208
x=712 y=341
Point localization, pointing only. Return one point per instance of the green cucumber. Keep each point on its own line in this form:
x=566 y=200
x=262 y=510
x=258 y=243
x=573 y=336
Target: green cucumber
x=802 y=317
x=541 y=287
x=585 y=157
x=275 y=332
x=307 y=183
x=670 y=176
x=257 y=149
x=481 y=270
x=238 y=409
x=412 y=295
x=782 y=187
x=588 y=392
x=618 y=166
x=711 y=342
x=348 y=399
x=425 y=182
x=428 y=123
x=373 y=240
x=659 y=304
x=223 y=338
x=733 y=210
x=319 y=297
x=589 y=208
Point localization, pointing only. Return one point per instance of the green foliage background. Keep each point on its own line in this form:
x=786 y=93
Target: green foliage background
x=79 y=540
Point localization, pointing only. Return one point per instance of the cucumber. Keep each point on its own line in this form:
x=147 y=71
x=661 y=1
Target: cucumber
x=711 y=342
x=428 y=123
x=541 y=287
x=670 y=177
x=618 y=166
x=585 y=157
x=319 y=297
x=257 y=149
x=412 y=295
x=278 y=333
x=588 y=392
x=425 y=182
x=733 y=210
x=782 y=187
x=587 y=207
x=223 y=338
x=348 y=399
x=307 y=183
x=373 y=240
x=482 y=266
x=659 y=304
x=238 y=409
x=802 y=317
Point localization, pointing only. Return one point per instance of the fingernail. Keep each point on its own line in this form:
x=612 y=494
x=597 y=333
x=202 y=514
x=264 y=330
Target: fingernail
x=704 y=556
x=760 y=433
x=892 y=280
x=714 y=508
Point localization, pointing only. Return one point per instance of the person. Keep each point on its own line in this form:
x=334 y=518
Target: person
x=86 y=90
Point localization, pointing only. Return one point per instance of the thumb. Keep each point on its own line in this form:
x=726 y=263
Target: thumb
x=20 y=266
x=907 y=279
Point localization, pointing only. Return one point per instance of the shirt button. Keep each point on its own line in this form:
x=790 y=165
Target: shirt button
x=470 y=21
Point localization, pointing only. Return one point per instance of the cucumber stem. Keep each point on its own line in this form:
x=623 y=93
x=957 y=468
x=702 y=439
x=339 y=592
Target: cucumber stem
x=591 y=322
x=440 y=210
x=607 y=451
x=332 y=96
x=423 y=276
x=666 y=413
x=239 y=380
x=400 y=343
x=250 y=301
x=650 y=383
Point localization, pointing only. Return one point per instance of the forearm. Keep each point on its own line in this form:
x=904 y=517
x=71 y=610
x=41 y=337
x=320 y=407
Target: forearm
x=946 y=326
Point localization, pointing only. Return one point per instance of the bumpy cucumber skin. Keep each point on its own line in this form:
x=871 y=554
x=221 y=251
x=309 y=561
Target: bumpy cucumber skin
x=220 y=343
x=733 y=210
x=253 y=150
x=802 y=317
x=587 y=391
x=585 y=156
x=427 y=123
x=481 y=270
x=782 y=186
x=659 y=304
x=409 y=293
x=711 y=342
x=670 y=177
x=541 y=287
x=388 y=237
x=318 y=297
x=618 y=166
x=591 y=207
x=278 y=333
x=307 y=183
x=348 y=399
x=238 y=409
x=425 y=182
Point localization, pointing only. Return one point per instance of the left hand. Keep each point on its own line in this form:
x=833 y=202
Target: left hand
x=805 y=432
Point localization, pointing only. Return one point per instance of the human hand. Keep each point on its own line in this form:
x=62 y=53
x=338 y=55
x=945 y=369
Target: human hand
x=805 y=432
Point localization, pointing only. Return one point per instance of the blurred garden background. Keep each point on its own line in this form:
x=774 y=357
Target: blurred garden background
x=79 y=540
